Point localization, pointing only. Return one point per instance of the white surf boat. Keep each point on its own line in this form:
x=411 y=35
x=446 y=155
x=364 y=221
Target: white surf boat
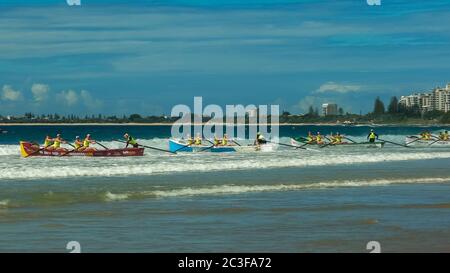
x=419 y=142
x=377 y=144
x=182 y=146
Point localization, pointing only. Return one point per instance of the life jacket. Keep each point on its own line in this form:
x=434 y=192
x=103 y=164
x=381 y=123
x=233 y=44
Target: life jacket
x=78 y=144
x=86 y=143
x=216 y=141
x=132 y=140
x=198 y=141
x=372 y=135
x=224 y=141
x=57 y=143
x=319 y=138
x=48 y=142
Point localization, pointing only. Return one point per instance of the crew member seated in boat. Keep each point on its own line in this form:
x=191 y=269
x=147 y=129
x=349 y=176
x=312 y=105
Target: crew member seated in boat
x=86 y=142
x=130 y=141
x=426 y=135
x=372 y=136
x=319 y=139
x=48 y=142
x=310 y=138
x=78 y=143
x=216 y=141
x=444 y=136
x=337 y=139
x=260 y=139
x=189 y=140
x=225 y=140
x=57 y=144
x=198 y=140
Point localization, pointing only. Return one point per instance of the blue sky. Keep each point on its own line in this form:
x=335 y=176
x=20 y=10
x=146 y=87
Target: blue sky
x=117 y=57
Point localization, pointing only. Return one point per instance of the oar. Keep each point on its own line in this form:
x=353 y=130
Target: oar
x=412 y=141
x=149 y=147
x=96 y=142
x=398 y=144
x=207 y=148
x=185 y=146
x=35 y=152
x=350 y=139
x=234 y=141
x=287 y=145
x=433 y=142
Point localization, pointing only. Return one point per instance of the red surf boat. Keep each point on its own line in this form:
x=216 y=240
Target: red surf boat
x=29 y=149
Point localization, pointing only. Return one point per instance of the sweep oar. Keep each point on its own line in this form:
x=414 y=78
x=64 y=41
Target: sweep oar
x=234 y=141
x=398 y=144
x=149 y=147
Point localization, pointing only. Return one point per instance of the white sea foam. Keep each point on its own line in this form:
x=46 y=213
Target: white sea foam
x=115 y=196
x=4 y=203
x=241 y=189
x=63 y=168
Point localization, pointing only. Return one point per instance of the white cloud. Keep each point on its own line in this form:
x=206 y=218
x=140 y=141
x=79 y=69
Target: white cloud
x=10 y=94
x=69 y=97
x=333 y=87
x=40 y=91
x=90 y=101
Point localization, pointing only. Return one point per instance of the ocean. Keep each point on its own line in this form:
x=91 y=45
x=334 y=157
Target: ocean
x=333 y=199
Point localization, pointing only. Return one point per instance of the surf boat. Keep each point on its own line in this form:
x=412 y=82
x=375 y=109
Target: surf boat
x=378 y=144
x=182 y=146
x=419 y=142
x=30 y=149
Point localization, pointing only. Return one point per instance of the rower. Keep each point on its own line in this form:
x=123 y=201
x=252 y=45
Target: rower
x=446 y=136
x=130 y=141
x=372 y=136
x=189 y=140
x=198 y=140
x=57 y=143
x=86 y=142
x=337 y=139
x=310 y=138
x=48 y=142
x=225 y=140
x=443 y=136
x=216 y=141
x=78 y=143
x=319 y=138
x=260 y=139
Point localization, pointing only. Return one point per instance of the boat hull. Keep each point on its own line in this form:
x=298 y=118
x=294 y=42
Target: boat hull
x=415 y=141
x=343 y=144
x=27 y=149
x=178 y=146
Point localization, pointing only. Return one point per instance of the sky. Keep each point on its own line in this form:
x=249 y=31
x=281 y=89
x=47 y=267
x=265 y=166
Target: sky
x=123 y=57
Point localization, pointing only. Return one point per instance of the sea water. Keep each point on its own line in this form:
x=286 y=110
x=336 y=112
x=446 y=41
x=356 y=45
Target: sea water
x=289 y=200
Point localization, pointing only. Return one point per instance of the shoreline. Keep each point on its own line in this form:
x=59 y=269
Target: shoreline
x=224 y=124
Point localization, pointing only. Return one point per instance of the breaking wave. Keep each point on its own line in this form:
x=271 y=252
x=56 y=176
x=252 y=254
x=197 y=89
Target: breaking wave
x=66 y=168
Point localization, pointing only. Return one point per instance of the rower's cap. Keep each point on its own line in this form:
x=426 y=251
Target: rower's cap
x=77 y=137
x=88 y=135
x=58 y=135
x=371 y=130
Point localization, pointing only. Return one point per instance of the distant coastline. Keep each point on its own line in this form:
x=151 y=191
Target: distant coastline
x=225 y=124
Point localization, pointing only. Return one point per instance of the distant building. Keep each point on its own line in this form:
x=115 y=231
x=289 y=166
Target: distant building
x=329 y=109
x=437 y=100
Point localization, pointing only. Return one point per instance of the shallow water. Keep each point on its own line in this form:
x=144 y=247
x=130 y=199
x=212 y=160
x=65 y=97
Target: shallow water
x=332 y=199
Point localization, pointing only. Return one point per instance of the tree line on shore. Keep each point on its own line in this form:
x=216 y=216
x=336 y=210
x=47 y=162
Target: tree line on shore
x=393 y=113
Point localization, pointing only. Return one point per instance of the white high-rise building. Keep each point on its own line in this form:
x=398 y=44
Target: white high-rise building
x=329 y=109
x=438 y=99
